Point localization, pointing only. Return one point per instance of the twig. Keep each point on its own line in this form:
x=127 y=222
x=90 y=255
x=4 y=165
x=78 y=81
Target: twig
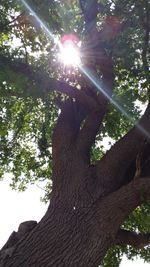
x=12 y=21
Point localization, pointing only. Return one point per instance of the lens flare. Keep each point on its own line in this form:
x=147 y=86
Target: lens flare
x=69 y=54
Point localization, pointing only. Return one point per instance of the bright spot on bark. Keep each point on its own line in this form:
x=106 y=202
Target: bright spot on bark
x=74 y=207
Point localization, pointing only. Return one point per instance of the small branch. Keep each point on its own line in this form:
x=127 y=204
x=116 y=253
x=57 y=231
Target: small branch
x=3 y=26
x=25 y=48
x=133 y=239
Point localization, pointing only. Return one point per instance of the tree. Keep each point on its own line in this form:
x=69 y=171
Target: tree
x=53 y=122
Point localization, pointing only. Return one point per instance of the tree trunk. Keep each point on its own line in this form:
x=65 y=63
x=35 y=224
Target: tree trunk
x=77 y=235
x=85 y=212
x=64 y=237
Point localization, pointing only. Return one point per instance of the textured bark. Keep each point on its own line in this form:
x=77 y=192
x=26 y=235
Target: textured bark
x=77 y=233
x=63 y=238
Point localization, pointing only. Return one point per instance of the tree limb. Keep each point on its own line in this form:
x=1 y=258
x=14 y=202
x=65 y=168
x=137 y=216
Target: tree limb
x=89 y=9
x=43 y=84
x=122 y=202
x=90 y=129
x=133 y=239
x=94 y=119
x=100 y=58
x=66 y=129
x=118 y=159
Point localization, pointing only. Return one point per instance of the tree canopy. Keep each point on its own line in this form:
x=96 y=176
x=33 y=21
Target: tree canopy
x=36 y=87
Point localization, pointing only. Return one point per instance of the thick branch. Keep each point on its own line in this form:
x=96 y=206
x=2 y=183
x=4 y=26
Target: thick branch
x=118 y=159
x=89 y=9
x=98 y=57
x=43 y=84
x=122 y=202
x=133 y=239
x=66 y=129
x=100 y=89
x=95 y=117
x=90 y=129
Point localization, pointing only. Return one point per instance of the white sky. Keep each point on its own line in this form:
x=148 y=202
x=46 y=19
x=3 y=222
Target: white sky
x=18 y=207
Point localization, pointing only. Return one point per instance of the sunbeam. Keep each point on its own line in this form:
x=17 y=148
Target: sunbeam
x=100 y=87
x=98 y=84
x=92 y=77
x=47 y=31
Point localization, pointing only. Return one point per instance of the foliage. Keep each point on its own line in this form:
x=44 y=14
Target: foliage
x=27 y=122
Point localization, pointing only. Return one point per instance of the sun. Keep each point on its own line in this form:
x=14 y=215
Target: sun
x=69 y=52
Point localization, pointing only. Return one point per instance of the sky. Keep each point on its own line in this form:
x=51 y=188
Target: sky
x=19 y=207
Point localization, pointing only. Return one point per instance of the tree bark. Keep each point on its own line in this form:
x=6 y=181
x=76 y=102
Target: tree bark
x=76 y=231
x=62 y=239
